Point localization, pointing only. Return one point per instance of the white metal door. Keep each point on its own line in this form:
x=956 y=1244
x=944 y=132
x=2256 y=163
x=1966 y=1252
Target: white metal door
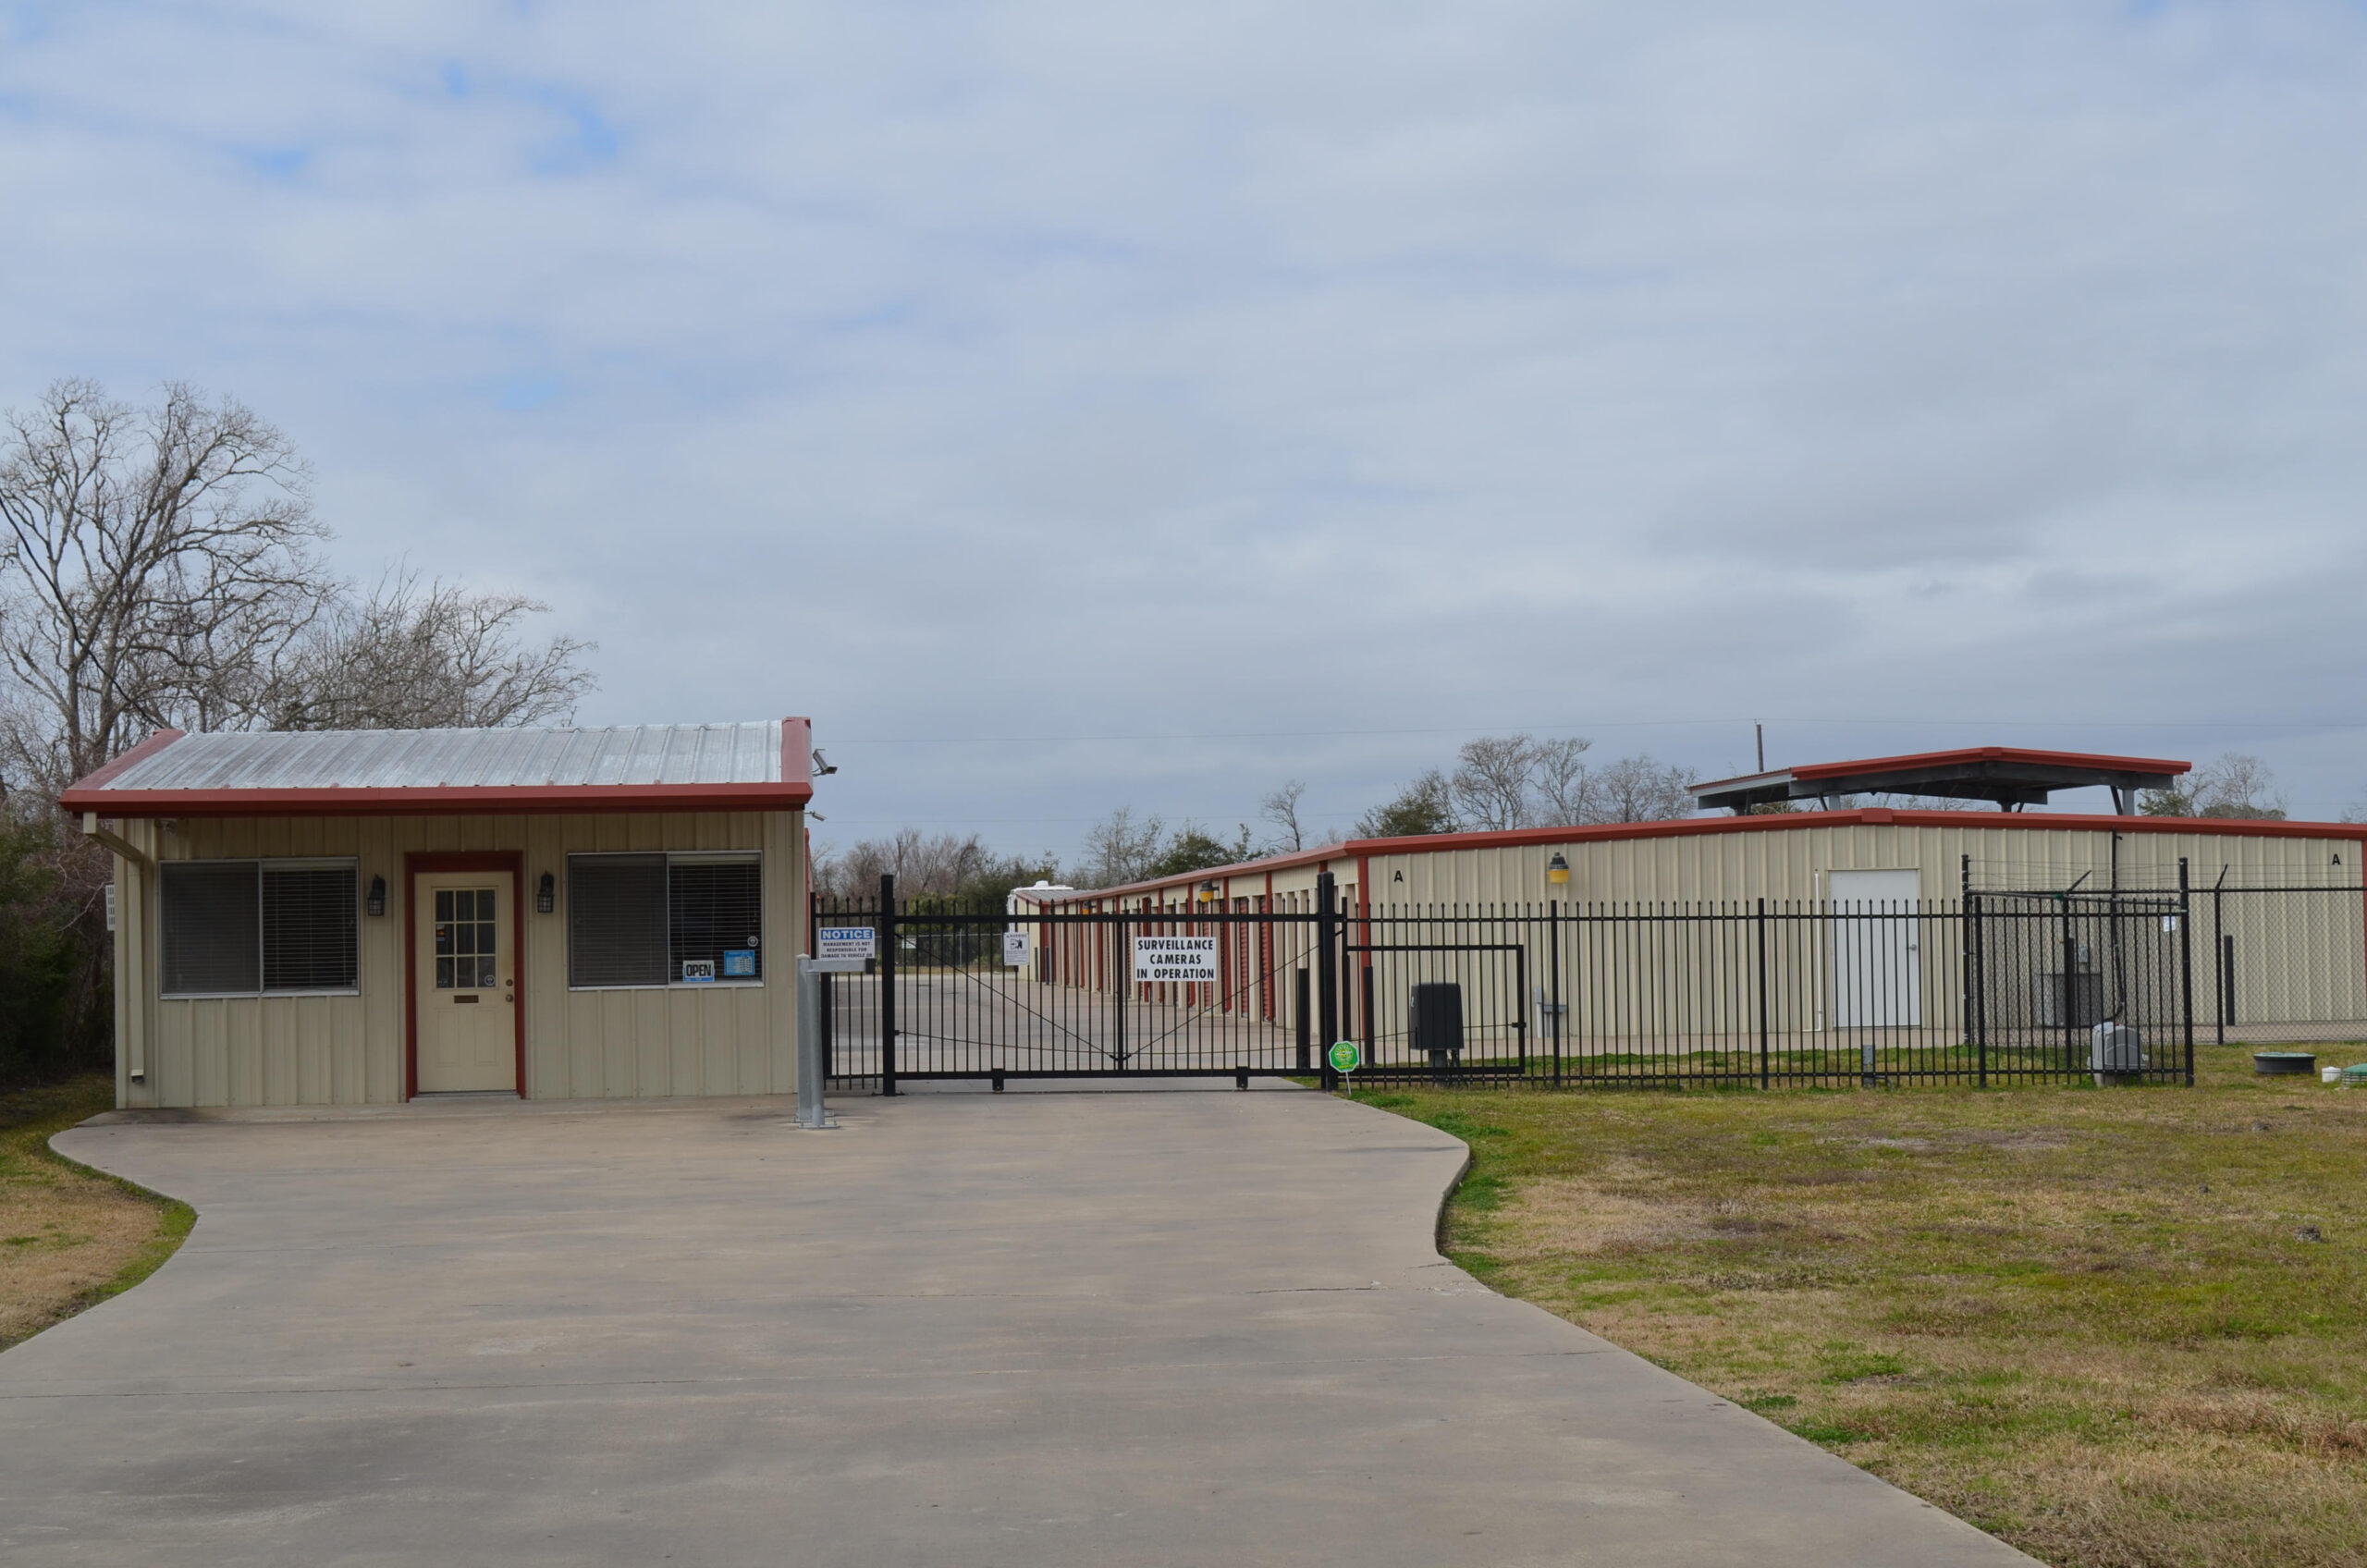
x=1877 y=947
x=464 y=990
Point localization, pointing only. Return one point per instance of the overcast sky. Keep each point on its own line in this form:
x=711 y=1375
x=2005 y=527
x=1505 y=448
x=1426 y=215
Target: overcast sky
x=1070 y=405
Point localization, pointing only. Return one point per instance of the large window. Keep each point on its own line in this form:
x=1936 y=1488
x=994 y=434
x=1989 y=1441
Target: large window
x=664 y=920
x=244 y=927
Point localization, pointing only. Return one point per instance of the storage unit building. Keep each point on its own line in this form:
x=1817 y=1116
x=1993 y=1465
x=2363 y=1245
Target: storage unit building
x=2286 y=896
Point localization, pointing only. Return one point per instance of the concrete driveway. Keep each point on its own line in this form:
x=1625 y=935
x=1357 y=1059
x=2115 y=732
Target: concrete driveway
x=1038 y=1329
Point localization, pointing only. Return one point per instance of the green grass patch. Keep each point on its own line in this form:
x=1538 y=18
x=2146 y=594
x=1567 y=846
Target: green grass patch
x=74 y=1236
x=2115 y=1326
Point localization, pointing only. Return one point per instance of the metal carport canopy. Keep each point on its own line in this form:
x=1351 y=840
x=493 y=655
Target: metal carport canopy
x=2007 y=775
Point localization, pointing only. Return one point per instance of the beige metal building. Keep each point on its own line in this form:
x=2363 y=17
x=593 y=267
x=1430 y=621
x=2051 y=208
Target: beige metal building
x=346 y=918
x=2287 y=898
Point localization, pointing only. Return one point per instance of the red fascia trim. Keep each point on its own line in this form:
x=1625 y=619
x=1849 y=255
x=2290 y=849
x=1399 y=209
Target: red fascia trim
x=468 y=801
x=417 y=861
x=140 y=753
x=1778 y=822
x=1794 y=821
x=1993 y=753
x=797 y=753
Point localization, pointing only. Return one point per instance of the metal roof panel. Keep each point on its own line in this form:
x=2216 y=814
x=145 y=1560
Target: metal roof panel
x=428 y=759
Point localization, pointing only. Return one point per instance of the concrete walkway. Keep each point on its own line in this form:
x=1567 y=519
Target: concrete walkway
x=1026 y=1330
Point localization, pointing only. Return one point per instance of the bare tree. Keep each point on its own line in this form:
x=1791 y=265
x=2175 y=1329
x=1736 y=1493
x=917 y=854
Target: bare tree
x=416 y=655
x=922 y=865
x=1119 y=849
x=1281 y=808
x=1636 y=789
x=939 y=866
x=1565 y=790
x=1491 y=783
x=2234 y=784
x=2231 y=785
x=156 y=566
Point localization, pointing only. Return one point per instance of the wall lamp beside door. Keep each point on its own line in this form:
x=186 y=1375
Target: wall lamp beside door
x=545 y=894
x=377 y=902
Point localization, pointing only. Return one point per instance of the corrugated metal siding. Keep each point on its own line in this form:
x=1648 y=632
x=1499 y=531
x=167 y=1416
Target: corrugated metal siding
x=419 y=759
x=2310 y=970
x=335 y=1050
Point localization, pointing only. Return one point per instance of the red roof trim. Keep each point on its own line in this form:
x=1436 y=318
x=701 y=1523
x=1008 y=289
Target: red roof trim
x=1773 y=821
x=441 y=801
x=1992 y=753
x=156 y=743
x=797 y=753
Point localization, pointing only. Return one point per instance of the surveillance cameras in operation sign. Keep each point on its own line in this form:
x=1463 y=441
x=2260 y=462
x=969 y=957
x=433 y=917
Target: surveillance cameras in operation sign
x=1175 y=958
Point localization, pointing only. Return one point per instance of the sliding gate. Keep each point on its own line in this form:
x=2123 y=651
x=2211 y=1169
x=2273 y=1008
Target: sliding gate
x=1100 y=993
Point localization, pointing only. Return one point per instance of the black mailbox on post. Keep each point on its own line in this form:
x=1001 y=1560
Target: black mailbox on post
x=1438 y=1024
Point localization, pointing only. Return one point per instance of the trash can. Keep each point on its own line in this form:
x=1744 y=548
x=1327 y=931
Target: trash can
x=1438 y=1025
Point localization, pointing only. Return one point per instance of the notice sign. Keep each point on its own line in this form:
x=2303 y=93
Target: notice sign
x=846 y=941
x=1015 y=950
x=1175 y=958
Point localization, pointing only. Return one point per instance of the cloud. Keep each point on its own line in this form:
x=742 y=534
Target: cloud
x=1321 y=379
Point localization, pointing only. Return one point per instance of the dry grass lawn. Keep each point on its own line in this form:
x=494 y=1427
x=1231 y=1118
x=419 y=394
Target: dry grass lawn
x=69 y=1237
x=2116 y=1328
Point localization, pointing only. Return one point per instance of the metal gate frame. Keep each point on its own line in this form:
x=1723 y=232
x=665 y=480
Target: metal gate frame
x=1123 y=1029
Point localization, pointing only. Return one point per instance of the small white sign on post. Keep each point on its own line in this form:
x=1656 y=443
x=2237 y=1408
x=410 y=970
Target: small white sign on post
x=846 y=941
x=1015 y=950
x=1175 y=958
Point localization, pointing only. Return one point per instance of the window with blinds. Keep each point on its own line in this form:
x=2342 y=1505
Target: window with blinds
x=311 y=934
x=664 y=920
x=713 y=911
x=616 y=919
x=244 y=927
x=213 y=942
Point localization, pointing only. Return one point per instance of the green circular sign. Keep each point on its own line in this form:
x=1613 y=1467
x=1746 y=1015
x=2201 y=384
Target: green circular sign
x=1345 y=1057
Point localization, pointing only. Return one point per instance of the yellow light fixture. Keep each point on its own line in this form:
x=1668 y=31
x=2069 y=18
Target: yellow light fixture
x=1207 y=892
x=1557 y=870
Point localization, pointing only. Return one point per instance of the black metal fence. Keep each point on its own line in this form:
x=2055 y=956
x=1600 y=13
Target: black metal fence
x=1997 y=986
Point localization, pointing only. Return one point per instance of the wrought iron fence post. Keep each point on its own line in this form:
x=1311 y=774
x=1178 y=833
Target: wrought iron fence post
x=2186 y=970
x=2070 y=990
x=1327 y=972
x=887 y=983
x=1964 y=941
x=1758 y=932
x=1977 y=989
x=1303 y=1019
x=1559 y=1016
x=1124 y=960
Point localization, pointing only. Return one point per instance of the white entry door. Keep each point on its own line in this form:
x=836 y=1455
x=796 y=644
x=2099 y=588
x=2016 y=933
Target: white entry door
x=1877 y=947
x=465 y=991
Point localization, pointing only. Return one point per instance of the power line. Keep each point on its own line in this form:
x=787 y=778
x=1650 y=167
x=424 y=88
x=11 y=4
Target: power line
x=2243 y=724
